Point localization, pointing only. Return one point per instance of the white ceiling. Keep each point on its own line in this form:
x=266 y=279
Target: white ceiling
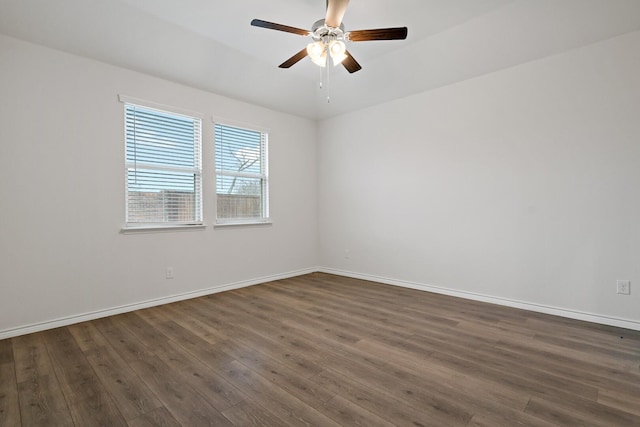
x=210 y=45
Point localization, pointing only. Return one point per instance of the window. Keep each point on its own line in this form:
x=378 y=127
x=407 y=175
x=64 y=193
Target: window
x=163 y=162
x=241 y=175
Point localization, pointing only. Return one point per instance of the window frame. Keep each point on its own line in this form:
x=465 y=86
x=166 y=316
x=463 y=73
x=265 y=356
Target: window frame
x=197 y=169
x=264 y=176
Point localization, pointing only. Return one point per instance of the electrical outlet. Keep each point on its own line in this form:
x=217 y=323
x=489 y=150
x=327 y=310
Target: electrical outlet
x=623 y=287
x=169 y=273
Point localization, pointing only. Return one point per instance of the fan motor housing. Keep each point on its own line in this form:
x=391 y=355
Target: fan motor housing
x=320 y=31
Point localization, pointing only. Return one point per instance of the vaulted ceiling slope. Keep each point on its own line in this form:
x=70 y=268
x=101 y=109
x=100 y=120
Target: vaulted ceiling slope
x=209 y=44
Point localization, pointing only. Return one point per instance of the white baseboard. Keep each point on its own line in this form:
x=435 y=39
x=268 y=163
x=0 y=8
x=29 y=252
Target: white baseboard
x=571 y=314
x=65 y=321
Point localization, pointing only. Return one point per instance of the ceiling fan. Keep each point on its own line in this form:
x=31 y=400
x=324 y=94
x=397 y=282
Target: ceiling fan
x=329 y=37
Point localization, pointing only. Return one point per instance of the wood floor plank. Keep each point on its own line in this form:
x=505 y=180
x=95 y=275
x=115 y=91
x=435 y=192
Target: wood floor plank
x=88 y=401
x=589 y=332
x=621 y=354
x=493 y=374
x=282 y=404
x=303 y=338
x=42 y=403
x=524 y=369
x=9 y=404
x=581 y=411
x=159 y=417
x=569 y=361
x=122 y=340
x=211 y=386
x=628 y=402
x=186 y=405
x=31 y=357
x=185 y=375
x=87 y=336
x=41 y=399
x=171 y=313
x=297 y=317
x=493 y=332
x=510 y=418
x=382 y=404
x=323 y=350
x=6 y=352
x=489 y=397
x=436 y=383
x=251 y=415
x=132 y=396
x=278 y=373
x=420 y=394
x=348 y=413
x=382 y=316
x=588 y=374
x=122 y=383
x=266 y=338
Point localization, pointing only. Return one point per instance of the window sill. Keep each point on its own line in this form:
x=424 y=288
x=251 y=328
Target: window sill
x=242 y=224
x=161 y=228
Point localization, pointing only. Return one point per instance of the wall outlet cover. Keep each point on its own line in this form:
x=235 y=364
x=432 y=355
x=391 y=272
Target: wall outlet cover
x=623 y=287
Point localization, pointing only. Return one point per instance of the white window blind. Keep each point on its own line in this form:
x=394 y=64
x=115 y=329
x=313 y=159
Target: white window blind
x=163 y=162
x=241 y=174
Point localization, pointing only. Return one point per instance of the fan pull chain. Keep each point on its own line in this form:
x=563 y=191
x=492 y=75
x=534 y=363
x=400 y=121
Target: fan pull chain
x=323 y=86
x=326 y=73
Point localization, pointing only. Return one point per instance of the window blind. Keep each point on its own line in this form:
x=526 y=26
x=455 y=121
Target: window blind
x=241 y=173
x=163 y=162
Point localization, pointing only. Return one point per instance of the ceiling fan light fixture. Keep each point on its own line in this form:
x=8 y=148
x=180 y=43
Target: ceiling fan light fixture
x=318 y=53
x=329 y=37
x=337 y=50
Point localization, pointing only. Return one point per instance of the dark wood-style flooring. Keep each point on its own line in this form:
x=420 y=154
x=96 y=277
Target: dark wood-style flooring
x=322 y=350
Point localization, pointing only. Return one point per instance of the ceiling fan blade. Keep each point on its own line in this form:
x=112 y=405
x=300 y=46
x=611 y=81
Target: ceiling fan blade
x=279 y=27
x=351 y=64
x=399 y=33
x=335 y=12
x=295 y=58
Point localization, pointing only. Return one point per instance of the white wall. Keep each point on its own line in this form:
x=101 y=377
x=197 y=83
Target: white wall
x=62 y=195
x=521 y=186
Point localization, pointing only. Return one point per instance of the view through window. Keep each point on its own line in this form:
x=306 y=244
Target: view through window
x=241 y=174
x=163 y=167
